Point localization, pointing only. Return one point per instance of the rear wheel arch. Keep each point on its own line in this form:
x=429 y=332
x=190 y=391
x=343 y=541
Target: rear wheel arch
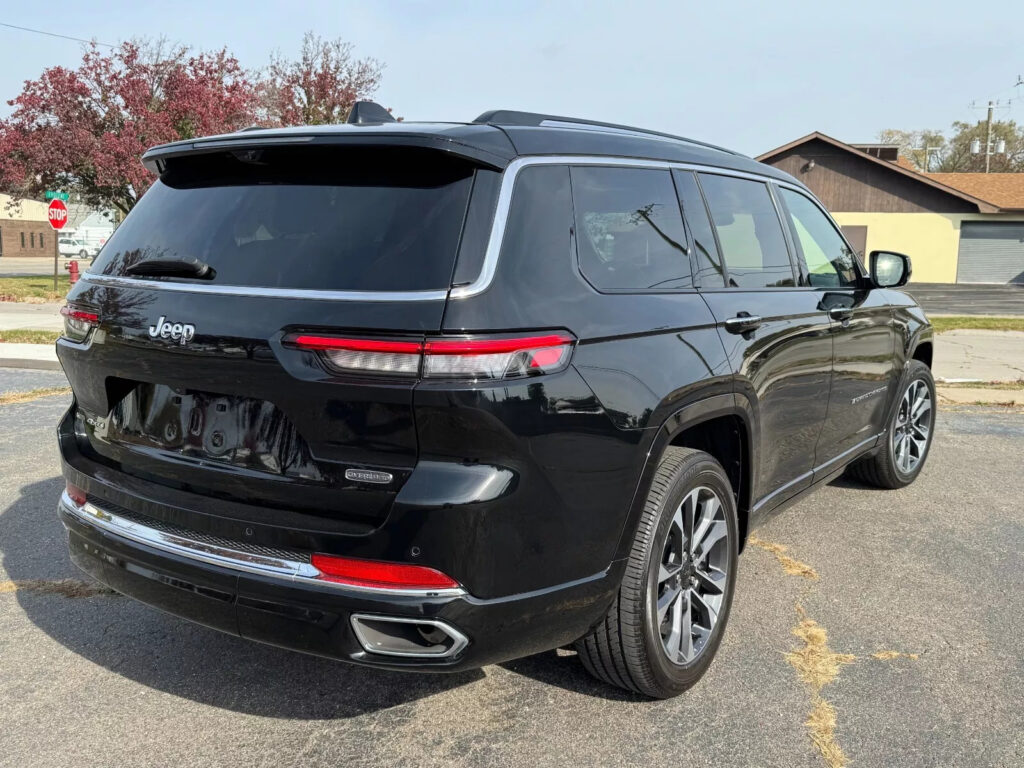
x=718 y=425
x=923 y=352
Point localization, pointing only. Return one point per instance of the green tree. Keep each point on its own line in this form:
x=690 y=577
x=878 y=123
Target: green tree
x=952 y=153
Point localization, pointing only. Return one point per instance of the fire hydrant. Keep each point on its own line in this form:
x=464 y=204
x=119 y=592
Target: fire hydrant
x=73 y=273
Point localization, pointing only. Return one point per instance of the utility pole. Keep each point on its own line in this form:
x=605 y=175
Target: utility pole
x=988 y=135
x=991 y=148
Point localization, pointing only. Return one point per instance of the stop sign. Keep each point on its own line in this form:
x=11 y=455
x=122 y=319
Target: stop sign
x=58 y=214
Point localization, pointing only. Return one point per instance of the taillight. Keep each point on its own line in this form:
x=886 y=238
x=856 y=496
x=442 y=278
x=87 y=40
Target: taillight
x=496 y=358
x=78 y=322
x=444 y=358
x=379 y=574
x=388 y=358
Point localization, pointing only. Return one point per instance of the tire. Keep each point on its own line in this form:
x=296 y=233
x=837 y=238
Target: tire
x=628 y=647
x=888 y=468
x=83 y=254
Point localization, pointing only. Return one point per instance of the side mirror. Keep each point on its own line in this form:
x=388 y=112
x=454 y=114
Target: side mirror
x=889 y=270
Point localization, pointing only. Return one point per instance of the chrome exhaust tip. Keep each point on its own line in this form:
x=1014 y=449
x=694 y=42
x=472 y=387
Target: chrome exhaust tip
x=411 y=638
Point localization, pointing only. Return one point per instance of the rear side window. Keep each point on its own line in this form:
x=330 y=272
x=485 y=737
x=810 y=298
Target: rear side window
x=749 y=232
x=830 y=262
x=629 y=231
x=303 y=218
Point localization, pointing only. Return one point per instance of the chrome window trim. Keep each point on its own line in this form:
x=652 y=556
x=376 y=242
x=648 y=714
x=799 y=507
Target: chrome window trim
x=276 y=293
x=293 y=571
x=490 y=265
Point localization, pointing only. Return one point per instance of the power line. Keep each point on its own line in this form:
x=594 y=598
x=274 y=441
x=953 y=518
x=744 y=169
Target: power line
x=54 y=34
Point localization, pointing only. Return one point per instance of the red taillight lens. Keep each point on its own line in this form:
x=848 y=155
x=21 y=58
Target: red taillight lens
x=78 y=322
x=444 y=358
x=388 y=358
x=76 y=494
x=496 y=358
x=377 y=573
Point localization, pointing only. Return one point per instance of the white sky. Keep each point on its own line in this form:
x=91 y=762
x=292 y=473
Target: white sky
x=749 y=76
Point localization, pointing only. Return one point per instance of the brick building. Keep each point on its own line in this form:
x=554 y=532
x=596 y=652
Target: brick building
x=25 y=229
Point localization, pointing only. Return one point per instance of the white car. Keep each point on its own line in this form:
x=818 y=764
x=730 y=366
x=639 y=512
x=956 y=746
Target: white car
x=73 y=246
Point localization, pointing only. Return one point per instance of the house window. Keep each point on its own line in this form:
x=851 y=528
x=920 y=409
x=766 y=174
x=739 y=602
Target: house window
x=22 y=239
x=32 y=239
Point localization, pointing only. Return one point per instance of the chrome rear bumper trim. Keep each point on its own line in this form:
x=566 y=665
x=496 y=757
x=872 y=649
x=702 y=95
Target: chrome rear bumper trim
x=295 y=571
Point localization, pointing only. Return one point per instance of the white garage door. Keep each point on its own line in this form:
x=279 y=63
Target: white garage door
x=991 y=252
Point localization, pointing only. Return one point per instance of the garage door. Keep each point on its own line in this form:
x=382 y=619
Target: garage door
x=991 y=252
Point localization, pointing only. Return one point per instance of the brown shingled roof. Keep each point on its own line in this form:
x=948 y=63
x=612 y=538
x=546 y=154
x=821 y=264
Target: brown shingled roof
x=1003 y=189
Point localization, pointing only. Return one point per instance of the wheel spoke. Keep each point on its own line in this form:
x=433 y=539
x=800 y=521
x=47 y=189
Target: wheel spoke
x=679 y=636
x=667 y=601
x=708 y=510
x=919 y=444
x=712 y=581
x=712 y=613
x=921 y=407
x=686 y=627
x=689 y=508
x=667 y=570
x=718 y=531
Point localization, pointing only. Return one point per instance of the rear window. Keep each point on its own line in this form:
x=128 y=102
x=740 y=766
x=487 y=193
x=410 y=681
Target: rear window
x=303 y=218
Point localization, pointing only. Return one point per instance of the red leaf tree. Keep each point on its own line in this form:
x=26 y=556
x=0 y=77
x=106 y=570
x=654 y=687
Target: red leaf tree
x=321 y=86
x=86 y=129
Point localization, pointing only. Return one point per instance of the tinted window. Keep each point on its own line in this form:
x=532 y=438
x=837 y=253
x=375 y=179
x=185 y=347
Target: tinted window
x=830 y=262
x=629 y=230
x=709 y=262
x=749 y=232
x=303 y=218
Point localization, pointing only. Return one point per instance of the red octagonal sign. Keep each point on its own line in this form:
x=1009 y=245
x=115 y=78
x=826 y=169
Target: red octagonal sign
x=58 y=213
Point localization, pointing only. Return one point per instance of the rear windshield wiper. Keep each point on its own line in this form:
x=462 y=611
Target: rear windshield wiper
x=185 y=266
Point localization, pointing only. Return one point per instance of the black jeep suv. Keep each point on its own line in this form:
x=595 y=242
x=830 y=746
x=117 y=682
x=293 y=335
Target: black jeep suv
x=437 y=395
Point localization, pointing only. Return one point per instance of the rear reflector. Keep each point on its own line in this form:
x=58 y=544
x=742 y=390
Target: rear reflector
x=76 y=494
x=444 y=358
x=380 y=574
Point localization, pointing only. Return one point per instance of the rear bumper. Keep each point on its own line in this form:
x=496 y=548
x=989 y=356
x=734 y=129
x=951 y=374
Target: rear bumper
x=266 y=595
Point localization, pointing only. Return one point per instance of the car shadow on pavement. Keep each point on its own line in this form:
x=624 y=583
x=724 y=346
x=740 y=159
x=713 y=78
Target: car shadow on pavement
x=563 y=669
x=178 y=657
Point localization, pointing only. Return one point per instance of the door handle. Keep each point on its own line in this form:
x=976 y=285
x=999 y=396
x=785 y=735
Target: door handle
x=743 y=323
x=843 y=314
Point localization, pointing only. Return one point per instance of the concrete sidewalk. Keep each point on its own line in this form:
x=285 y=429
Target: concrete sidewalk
x=16 y=315
x=37 y=356
x=979 y=355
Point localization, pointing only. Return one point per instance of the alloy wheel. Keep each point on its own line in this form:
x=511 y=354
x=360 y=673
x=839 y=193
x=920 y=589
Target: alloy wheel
x=692 y=575
x=913 y=426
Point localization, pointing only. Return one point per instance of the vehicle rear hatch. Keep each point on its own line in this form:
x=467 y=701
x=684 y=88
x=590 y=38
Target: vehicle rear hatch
x=189 y=378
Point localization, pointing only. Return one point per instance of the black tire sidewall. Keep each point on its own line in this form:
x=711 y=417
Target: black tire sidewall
x=675 y=678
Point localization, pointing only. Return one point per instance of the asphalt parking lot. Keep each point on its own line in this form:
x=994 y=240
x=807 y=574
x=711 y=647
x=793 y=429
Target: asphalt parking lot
x=909 y=607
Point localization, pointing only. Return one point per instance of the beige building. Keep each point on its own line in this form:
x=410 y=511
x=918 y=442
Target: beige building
x=25 y=229
x=955 y=227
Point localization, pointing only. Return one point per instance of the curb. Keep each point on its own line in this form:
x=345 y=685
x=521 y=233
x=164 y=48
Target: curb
x=28 y=363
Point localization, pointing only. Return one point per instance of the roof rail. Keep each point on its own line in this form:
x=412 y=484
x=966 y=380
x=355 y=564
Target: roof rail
x=538 y=120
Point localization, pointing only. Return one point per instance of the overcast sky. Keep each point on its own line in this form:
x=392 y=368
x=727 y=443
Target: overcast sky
x=748 y=76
